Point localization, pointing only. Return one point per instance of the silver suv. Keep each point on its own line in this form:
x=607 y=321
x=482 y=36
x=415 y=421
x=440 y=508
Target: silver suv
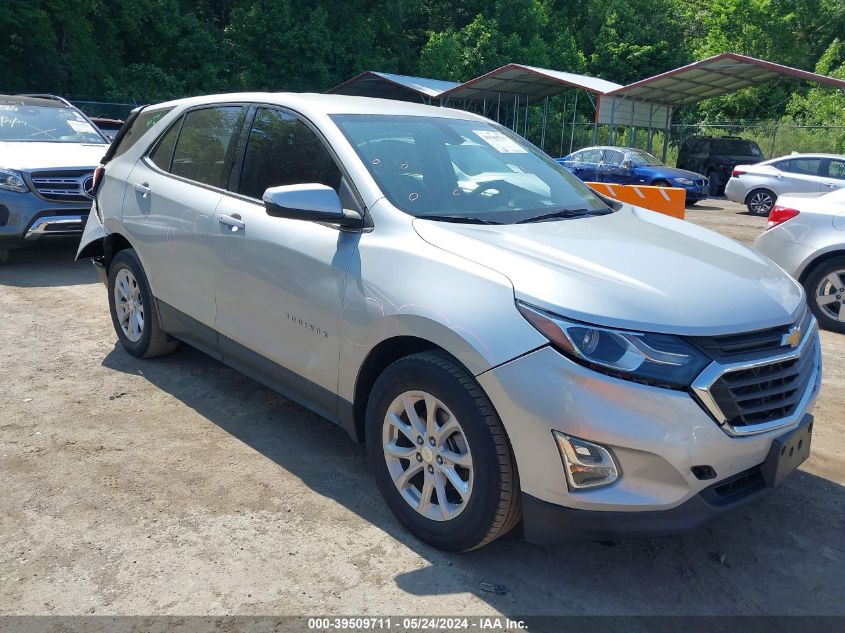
x=509 y=345
x=48 y=152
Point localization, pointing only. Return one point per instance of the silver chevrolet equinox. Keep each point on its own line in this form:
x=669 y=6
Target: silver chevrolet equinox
x=510 y=345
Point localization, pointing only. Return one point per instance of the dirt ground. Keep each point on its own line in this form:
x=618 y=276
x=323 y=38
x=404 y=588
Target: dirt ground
x=178 y=486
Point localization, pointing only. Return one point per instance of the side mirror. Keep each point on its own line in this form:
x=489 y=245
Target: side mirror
x=311 y=202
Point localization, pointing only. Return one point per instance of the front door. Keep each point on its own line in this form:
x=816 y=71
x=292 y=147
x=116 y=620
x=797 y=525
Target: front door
x=279 y=283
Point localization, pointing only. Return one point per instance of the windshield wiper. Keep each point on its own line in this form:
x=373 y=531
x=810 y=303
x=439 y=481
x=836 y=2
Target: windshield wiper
x=565 y=213
x=461 y=219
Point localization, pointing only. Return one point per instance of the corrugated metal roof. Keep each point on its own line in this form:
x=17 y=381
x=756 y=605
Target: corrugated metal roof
x=713 y=77
x=391 y=86
x=536 y=83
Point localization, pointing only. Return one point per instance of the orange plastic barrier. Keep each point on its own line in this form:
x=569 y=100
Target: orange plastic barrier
x=668 y=200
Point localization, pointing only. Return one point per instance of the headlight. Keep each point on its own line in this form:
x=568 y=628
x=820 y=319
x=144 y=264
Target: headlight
x=11 y=180
x=659 y=359
x=684 y=181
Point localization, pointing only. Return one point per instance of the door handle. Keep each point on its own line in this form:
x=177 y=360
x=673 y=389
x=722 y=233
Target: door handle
x=143 y=189
x=231 y=221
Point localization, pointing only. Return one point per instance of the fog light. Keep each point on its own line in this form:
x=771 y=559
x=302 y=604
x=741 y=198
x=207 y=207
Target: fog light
x=587 y=465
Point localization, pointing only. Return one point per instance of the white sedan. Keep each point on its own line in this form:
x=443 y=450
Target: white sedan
x=758 y=186
x=806 y=237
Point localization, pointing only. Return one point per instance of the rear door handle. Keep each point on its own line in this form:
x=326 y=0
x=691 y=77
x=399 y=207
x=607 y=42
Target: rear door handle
x=143 y=189
x=236 y=223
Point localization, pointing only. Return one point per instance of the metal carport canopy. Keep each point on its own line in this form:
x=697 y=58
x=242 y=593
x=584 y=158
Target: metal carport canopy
x=710 y=78
x=526 y=81
x=391 y=86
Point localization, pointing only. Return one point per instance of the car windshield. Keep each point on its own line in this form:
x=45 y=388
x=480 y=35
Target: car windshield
x=639 y=158
x=21 y=122
x=735 y=146
x=464 y=170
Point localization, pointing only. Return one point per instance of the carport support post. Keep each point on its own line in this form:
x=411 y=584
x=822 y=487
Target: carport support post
x=525 y=127
x=543 y=131
x=498 y=106
x=666 y=133
x=515 y=112
x=572 y=133
x=562 y=126
x=650 y=125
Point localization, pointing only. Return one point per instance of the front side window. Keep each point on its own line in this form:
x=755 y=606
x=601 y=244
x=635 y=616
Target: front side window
x=836 y=169
x=613 y=157
x=282 y=150
x=21 y=122
x=424 y=166
x=200 y=152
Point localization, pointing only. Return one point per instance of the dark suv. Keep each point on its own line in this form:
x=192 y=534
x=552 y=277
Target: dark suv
x=716 y=157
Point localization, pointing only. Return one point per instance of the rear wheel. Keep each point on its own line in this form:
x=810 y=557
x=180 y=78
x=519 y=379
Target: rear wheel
x=440 y=454
x=825 y=286
x=760 y=202
x=133 y=308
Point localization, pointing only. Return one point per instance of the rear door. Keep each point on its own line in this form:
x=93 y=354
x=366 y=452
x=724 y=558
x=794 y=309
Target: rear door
x=171 y=196
x=279 y=283
x=586 y=164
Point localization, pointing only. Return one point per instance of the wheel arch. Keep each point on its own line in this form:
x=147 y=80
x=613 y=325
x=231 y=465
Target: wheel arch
x=819 y=259
x=385 y=353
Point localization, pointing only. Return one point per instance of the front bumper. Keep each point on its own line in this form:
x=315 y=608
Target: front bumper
x=695 y=192
x=546 y=523
x=26 y=216
x=656 y=435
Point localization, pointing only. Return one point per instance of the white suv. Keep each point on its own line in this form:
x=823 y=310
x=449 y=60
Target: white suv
x=508 y=344
x=758 y=186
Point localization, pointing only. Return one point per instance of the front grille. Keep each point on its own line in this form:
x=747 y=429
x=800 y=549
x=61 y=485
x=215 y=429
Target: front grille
x=767 y=342
x=63 y=186
x=764 y=393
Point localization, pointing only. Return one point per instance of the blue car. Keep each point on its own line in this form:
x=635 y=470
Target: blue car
x=628 y=166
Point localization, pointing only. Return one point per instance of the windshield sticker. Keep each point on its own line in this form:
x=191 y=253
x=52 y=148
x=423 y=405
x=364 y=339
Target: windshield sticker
x=500 y=142
x=79 y=126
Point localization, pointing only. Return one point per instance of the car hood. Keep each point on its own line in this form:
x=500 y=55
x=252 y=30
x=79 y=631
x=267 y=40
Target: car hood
x=666 y=171
x=633 y=269
x=29 y=156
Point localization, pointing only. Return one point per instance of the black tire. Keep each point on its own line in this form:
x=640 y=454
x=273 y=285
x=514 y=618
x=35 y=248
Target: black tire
x=692 y=203
x=493 y=507
x=661 y=183
x=760 y=202
x=716 y=188
x=5 y=255
x=812 y=284
x=153 y=340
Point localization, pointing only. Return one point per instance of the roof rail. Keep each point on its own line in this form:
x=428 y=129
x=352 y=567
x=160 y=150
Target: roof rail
x=48 y=97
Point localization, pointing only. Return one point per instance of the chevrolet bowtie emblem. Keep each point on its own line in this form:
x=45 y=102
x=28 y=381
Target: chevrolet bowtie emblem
x=792 y=338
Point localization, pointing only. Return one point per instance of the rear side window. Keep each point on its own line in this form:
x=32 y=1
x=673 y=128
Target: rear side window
x=203 y=143
x=162 y=155
x=803 y=166
x=282 y=150
x=135 y=129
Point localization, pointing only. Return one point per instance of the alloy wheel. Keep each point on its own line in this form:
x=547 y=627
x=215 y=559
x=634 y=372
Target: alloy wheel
x=427 y=455
x=128 y=305
x=830 y=295
x=761 y=203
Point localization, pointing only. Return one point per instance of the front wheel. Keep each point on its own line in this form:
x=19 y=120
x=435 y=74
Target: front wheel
x=825 y=287
x=133 y=308
x=440 y=454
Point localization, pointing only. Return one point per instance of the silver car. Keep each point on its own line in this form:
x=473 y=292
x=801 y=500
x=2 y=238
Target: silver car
x=806 y=237
x=509 y=345
x=758 y=186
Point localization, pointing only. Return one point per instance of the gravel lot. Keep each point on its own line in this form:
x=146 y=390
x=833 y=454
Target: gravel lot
x=178 y=486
